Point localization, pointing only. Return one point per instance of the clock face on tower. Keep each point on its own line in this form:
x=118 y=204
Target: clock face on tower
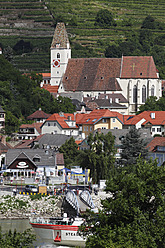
x=56 y=62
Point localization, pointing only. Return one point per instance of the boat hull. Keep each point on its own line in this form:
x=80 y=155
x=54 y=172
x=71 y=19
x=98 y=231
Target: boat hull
x=61 y=235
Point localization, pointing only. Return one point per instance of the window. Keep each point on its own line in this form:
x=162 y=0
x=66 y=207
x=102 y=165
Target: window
x=1 y=115
x=104 y=120
x=143 y=94
x=57 y=72
x=103 y=128
x=135 y=94
x=153 y=129
x=159 y=129
x=152 y=90
x=113 y=120
x=48 y=124
x=87 y=128
x=115 y=128
x=84 y=128
x=58 y=56
x=54 y=124
x=90 y=128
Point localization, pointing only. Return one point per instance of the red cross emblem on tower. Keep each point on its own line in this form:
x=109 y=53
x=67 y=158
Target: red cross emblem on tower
x=56 y=62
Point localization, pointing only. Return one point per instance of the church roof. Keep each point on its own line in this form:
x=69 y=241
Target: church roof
x=138 y=67
x=87 y=74
x=60 y=38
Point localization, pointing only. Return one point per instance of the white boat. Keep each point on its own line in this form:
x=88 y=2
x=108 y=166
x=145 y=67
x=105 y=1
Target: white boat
x=59 y=230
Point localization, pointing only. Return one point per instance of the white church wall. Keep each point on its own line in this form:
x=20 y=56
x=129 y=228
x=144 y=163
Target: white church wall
x=59 y=61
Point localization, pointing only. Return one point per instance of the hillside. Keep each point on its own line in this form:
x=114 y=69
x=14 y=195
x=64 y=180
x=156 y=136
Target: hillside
x=34 y=21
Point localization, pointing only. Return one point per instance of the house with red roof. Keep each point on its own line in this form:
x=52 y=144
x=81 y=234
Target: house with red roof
x=152 y=120
x=135 y=77
x=38 y=116
x=157 y=149
x=29 y=131
x=61 y=123
x=99 y=119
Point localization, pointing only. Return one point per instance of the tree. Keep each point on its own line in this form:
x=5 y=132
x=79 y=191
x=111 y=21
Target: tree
x=153 y=104
x=150 y=23
x=14 y=239
x=132 y=147
x=100 y=157
x=134 y=215
x=104 y=18
x=69 y=150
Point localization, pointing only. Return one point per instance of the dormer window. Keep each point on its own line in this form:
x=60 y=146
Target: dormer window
x=102 y=77
x=66 y=78
x=85 y=77
x=141 y=73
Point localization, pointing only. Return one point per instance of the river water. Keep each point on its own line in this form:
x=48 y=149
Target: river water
x=22 y=225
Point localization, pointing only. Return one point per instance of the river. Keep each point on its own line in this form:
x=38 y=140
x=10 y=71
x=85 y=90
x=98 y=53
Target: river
x=20 y=226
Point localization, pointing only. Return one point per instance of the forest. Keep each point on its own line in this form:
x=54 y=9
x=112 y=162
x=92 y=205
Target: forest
x=21 y=95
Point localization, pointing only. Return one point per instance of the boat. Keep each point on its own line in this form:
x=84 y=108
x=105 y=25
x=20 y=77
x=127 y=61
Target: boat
x=59 y=230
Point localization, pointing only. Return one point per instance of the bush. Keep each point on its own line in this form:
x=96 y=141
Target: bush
x=104 y=19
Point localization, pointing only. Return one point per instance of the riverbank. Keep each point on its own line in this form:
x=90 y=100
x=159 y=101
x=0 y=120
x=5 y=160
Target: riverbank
x=23 y=206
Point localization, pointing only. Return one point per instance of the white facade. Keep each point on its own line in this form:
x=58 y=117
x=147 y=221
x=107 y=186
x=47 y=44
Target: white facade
x=59 y=61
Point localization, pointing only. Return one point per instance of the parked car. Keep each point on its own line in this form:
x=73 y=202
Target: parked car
x=31 y=189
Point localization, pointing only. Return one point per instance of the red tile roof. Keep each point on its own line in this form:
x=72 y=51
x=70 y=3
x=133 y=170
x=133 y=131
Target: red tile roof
x=138 y=67
x=157 y=141
x=51 y=89
x=158 y=120
x=97 y=114
x=61 y=119
x=46 y=75
x=92 y=74
x=33 y=125
x=39 y=114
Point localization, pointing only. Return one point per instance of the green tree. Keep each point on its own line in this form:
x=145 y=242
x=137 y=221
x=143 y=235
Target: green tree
x=104 y=18
x=70 y=151
x=153 y=104
x=150 y=23
x=134 y=215
x=100 y=157
x=14 y=239
x=132 y=147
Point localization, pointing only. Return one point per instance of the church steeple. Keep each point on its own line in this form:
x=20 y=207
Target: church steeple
x=60 y=53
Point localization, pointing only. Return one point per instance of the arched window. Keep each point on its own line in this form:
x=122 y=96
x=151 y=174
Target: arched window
x=152 y=90
x=58 y=56
x=143 y=94
x=135 y=94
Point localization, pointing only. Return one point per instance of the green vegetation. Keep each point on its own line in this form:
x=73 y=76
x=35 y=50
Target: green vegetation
x=131 y=18
x=21 y=95
x=153 y=104
x=134 y=215
x=132 y=147
x=14 y=239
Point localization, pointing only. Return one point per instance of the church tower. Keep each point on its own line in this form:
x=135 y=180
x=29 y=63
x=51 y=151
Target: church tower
x=60 y=53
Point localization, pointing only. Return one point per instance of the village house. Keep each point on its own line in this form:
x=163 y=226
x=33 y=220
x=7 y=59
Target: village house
x=61 y=123
x=99 y=118
x=157 y=149
x=29 y=131
x=38 y=116
x=152 y=120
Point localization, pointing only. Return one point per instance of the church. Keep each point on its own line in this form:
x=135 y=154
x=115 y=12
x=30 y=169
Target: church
x=135 y=77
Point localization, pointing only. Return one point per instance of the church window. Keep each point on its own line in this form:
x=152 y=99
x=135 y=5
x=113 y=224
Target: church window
x=57 y=72
x=58 y=56
x=152 y=90
x=143 y=93
x=135 y=94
